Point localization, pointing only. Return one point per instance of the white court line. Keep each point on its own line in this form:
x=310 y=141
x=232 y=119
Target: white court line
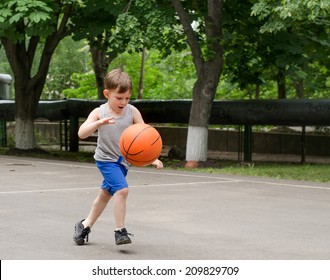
x=185 y=184
x=131 y=186
x=288 y=185
x=132 y=170
x=51 y=190
x=185 y=175
x=167 y=185
x=197 y=176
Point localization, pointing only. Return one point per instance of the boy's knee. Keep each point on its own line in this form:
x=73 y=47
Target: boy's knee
x=123 y=192
x=103 y=196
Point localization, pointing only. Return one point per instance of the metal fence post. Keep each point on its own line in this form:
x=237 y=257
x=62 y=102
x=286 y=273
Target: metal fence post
x=74 y=139
x=247 y=143
x=5 y=81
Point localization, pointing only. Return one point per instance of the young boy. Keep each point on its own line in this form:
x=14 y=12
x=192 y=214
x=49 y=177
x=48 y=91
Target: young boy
x=111 y=119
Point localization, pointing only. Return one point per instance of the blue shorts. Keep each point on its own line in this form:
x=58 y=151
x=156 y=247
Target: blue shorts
x=114 y=175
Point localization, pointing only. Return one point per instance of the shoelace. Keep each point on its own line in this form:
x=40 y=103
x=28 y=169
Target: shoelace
x=85 y=233
x=124 y=232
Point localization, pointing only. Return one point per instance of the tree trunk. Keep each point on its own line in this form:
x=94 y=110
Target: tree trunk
x=200 y=112
x=28 y=89
x=281 y=84
x=27 y=95
x=26 y=109
x=141 y=81
x=299 y=86
x=24 y=134
x=208 y=69
x=101 y=64
x=257 y=91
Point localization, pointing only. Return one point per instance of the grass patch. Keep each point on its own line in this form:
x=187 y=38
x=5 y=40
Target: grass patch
x=304 y=172
x=314 y=172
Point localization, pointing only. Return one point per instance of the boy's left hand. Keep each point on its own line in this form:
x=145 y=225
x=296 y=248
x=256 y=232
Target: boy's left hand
x=158 y=164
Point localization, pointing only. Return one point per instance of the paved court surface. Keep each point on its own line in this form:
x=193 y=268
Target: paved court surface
x=173 y=215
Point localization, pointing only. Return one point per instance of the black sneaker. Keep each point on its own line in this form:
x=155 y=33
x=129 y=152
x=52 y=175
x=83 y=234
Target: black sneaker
x=121 y=237
x=81 y=233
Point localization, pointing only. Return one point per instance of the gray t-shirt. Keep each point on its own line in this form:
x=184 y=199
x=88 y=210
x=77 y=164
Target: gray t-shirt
x=107 y=148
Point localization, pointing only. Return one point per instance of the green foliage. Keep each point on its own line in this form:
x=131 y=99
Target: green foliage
x=168 y=78
x=33 y=15
x=85 y=87
x=4 y=65
x=70 y=57
x=300 y=45
x=282 y=15
x=253 y=58
x=157 y=26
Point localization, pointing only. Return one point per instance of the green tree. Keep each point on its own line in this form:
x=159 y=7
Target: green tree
x=69 y=57
x=132 y=26
x=96 y=23
x=83 y=86
x=171 y=77
x=303 y=28
x=255 y=56
x=26 y=26
x=283 y=15
x=202 y=25
x=244 y=60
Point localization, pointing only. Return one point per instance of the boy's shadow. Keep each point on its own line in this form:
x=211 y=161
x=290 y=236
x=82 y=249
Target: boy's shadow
x=127 y=251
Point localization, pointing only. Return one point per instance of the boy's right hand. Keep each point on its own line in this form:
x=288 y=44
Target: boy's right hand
x=110 y=120
x=158 y=164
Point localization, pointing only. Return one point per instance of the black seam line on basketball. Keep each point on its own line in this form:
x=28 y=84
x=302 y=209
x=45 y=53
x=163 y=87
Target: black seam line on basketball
x=155 y=140
x=127 y=151
x=145 y=161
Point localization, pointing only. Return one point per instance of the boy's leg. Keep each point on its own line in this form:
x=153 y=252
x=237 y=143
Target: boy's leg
x=83 y=228
x=119 y=207
x=99 y=204
x=121 y=234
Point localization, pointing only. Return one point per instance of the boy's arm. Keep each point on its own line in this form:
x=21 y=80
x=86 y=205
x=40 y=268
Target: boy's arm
x=92 y=123
x=137 y=117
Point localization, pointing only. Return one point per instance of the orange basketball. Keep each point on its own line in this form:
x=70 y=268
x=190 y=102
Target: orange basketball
x=140 y=144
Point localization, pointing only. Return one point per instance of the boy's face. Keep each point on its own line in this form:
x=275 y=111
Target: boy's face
x=117 y=101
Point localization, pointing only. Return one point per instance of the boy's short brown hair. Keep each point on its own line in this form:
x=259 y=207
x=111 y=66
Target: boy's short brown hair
x=118 y=79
